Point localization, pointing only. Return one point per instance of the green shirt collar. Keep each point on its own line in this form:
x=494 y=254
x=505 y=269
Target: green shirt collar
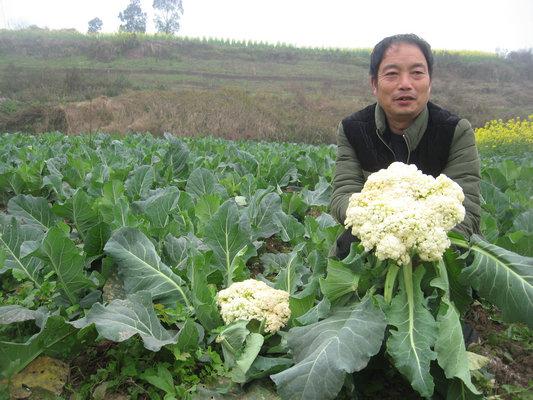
x=414 y=132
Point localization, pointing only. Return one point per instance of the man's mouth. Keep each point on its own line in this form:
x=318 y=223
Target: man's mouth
x=404 y=98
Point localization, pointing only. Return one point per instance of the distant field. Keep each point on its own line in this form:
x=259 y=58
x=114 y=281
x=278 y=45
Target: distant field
x=260 y=90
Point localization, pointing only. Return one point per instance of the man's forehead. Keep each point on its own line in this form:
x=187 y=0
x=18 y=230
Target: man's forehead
x=400 y=54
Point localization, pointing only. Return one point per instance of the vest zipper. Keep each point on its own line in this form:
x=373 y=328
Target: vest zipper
x=408 y=148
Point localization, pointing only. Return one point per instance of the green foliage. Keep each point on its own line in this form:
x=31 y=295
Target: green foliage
x=168 y=13
x=95 y=25
x=118 y=246
x=133 y=18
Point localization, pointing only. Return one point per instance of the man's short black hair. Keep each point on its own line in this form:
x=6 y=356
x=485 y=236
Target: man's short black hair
x=379 y=50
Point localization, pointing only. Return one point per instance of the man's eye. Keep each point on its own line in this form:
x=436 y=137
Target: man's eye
x=391 y=73
x=418 y=72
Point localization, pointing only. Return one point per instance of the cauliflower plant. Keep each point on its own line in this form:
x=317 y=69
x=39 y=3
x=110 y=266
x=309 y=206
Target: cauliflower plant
x=253 y=299
x=401 y=211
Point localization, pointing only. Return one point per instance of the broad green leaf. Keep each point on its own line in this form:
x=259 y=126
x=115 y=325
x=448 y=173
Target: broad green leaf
x=524 y=222
x=289 y=228
x=495 y=177
x=114 y=207
x=293 y=204
x=203 y=295
x=185 y=214
x=340 y=280
x=322 y=230
x=410 y=343
x=96 y=179
x=324 y=352
x=141 y=268
x=96 y=238
x=320 y=196
x=203 y=181
x=159 y=206
x=263 y=206
x=32 y=210
x=12 y=236
x=176 y=157
x=228 y=236
x=318 y=262
x=231 y=339
x=489 y=227
x=121 y=319
x=14 y=313
x=251 y=349
x=503 y=278
x=510 y=170
x=316 y=313
x=140 y=181
x=291 y=270
x=300 y=305
x=518 y=242
x=112 y=192
x=188 y=337
x=460 y=293
x=493 y=199
x=265 y=366
x=457 y=390
x=162 y=379
x=273 y=262
x=175 y=250
x=450 y=345
x=15 y=356
x=63 y=257
x=79 y=210
x=206 y=207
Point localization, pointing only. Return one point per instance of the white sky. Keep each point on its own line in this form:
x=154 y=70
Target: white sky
x=485 y=25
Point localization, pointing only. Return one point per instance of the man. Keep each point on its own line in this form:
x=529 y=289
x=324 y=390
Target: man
x=404 y=126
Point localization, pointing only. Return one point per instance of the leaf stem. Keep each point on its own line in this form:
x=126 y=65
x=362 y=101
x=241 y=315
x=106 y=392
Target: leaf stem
x=390 y=280
x=459 y=242
x=408 y=281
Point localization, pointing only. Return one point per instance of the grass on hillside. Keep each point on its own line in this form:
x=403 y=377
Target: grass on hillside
x=45 y=74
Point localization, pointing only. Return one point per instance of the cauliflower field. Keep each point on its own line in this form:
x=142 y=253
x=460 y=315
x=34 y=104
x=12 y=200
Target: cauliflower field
x=125 y=262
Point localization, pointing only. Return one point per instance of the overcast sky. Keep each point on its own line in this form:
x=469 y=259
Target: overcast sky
x=485 y=25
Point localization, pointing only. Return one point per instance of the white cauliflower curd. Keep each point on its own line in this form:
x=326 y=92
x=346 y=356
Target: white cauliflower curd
x=401 y=212
x=253 y=299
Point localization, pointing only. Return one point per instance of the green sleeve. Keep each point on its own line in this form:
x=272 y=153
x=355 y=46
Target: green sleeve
x=463 y=167
x=348 y=177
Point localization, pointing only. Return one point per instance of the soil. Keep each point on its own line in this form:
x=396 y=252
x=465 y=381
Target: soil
x=511 y=359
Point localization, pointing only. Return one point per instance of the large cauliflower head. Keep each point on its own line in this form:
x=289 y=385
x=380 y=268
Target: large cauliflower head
x=401 y=212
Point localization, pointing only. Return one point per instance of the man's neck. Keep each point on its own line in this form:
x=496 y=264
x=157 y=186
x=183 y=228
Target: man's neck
x=398 y=127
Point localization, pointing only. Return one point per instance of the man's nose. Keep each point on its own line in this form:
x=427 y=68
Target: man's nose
x=405 y=82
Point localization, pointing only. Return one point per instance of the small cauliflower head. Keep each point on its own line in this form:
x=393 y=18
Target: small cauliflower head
x=401 y=212
x=253 y=299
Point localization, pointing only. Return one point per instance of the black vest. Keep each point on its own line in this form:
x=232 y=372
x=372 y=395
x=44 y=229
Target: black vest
x=430 y=156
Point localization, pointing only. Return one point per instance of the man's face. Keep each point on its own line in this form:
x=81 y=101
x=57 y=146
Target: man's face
x=403 y=84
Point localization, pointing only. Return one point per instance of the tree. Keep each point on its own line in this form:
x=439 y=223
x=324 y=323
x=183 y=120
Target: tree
x=168 y=14
x=133 y=18
x=95 y=25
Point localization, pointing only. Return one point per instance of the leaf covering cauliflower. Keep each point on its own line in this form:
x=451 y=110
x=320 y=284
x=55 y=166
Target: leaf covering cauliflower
x=253 y=299
x=401 y=211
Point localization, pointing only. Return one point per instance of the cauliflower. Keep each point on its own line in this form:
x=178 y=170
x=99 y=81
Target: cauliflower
x=401 y=212
x=253 y=299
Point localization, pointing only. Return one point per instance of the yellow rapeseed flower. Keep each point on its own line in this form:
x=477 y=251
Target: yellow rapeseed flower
x=515 y=132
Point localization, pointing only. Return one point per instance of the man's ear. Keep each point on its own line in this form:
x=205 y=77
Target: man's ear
x=374 y=85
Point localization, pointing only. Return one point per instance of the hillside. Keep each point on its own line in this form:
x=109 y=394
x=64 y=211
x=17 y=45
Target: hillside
x=63 y=80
